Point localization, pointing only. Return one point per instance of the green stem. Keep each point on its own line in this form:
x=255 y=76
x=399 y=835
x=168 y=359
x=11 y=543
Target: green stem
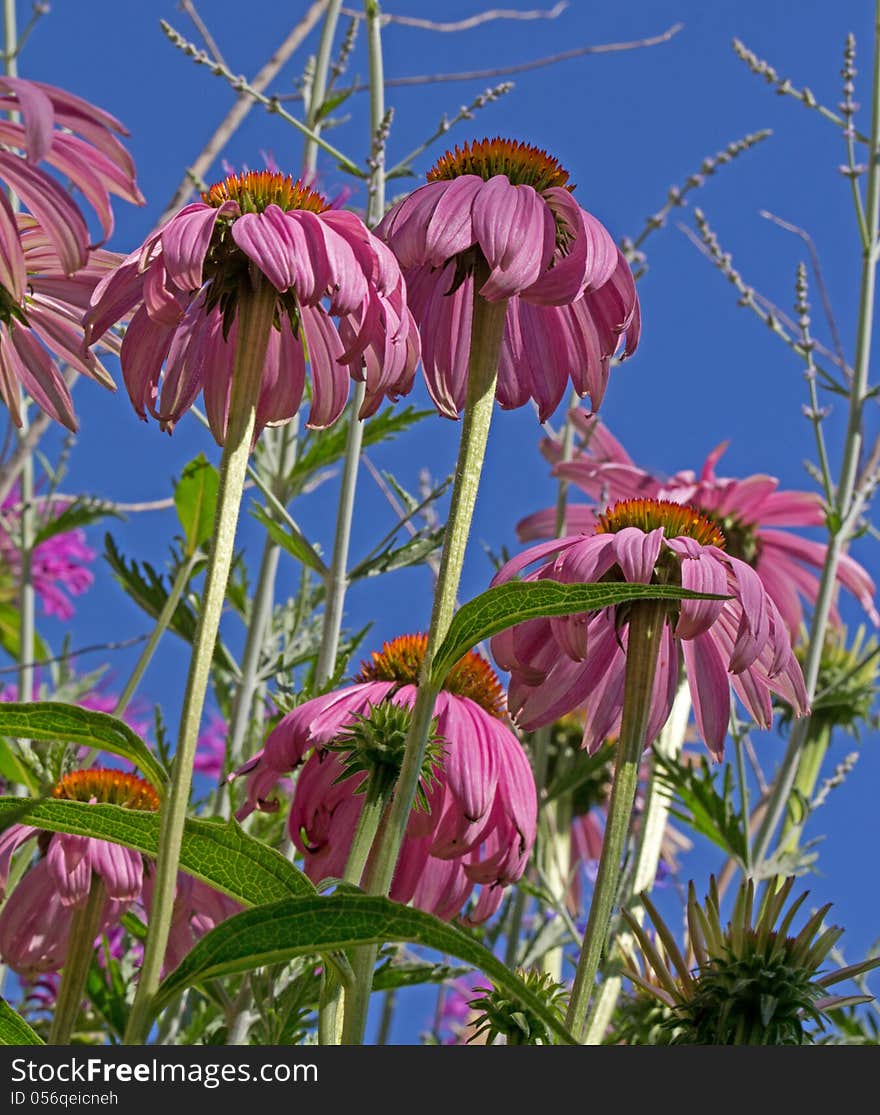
x=387 y=1018
x=261 y=606
x=181 y=580
x=330 y=1032
x=336 y=580
x=814 y=751
x=84 y=926
x=319 y=86
x=643 y=646
x=255 y=312
x=652 y=829
x=848 y=498
x=744 y=796
x=486 y=335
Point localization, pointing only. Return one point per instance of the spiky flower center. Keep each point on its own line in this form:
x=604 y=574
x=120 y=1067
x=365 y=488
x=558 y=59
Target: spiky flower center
x=375 y=744
x=521 y=163
x=741 y=538
x=258 y=189
x=107 y=786
x=401 y=661
x=756 y=993
x=676 y=519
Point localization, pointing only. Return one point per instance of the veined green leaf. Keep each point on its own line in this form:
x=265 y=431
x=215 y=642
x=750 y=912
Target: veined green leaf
x=47 y=721
x=219 y=853
x=13 y=1028
x=195 y=497
x=296 y=544
x=282 y=930
x=504 y=605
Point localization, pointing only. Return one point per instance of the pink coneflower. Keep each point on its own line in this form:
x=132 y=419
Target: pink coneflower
x=322 y=263
x=41 y=307
x=749 y=512
x=506 y=206
x=36 y=920
x=479 y=825
x=557 y=665
x=59 y=565
x=80 y=142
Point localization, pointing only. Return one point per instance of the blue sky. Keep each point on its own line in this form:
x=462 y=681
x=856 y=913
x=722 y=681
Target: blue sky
x=627 y=125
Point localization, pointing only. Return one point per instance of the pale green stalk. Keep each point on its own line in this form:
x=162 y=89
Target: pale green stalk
x=255 y=313
x=181 y=580
x=336 y=581
x=848 y=500
x=643 y=647
x=486 y=335
x=652 y=829
x=319 y=86
x=261 y=605
x=330 y=1017
x=809 y=768
x=84 y=927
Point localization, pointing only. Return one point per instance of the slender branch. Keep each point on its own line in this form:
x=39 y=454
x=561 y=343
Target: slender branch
x=465 y=24
x=848 y=497
x=784 y=86
x=189 y=7
x=28 y=442
x=123 y=644
x=515 y=68
x=243 y=105
x=816 y=265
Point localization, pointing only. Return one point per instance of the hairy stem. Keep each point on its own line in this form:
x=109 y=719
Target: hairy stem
x=643 y=647
x=255 y=313
x=84 y=927
x=486 y=335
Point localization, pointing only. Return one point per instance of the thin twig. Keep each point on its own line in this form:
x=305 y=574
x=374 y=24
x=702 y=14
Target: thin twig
x=464 y=24
x=773 y=317
x=243 y=104
x=189 y=7
x=817 y=275
x=10 y=472
x=124 y=644
x=518 y=68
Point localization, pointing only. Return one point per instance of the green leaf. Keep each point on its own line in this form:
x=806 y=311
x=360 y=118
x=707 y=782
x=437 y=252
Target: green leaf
x=219 y=853
x=504 y=605
x=78 y=513
x=146 y=587
x=10 y=634
x=195 y=498
x=327 y=446
x=295 y=543
x=415 y=551
x=13 y=1028
x=393 y=974
x=48 y=721
x=704 y=807
x=333 y=102
x=282 y=930
x=13 y=769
